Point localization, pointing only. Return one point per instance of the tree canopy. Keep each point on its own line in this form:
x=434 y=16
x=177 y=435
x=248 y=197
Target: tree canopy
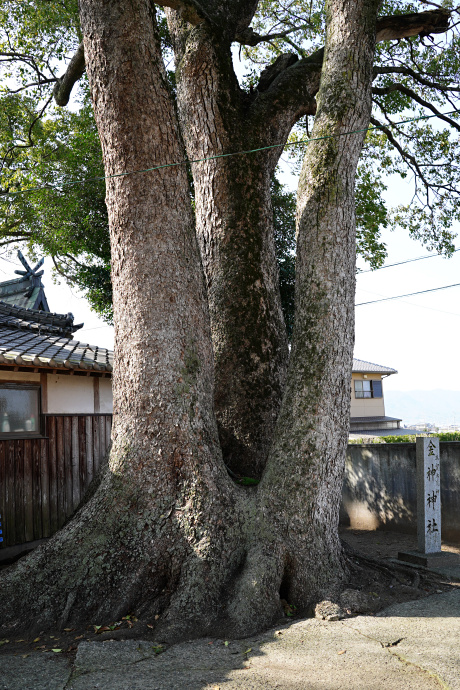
x=46 y=146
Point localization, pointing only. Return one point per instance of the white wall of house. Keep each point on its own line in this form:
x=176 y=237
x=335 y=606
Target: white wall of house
x=105 y=396
x=70 y=394
x=67 y=394
x=366 y=407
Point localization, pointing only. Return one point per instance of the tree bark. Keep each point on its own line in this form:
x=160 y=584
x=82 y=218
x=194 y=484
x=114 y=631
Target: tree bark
x=234 y=221
x=153 y=536
x=300 y=491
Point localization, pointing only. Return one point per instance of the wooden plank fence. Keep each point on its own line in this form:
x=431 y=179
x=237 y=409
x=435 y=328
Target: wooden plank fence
x=43 y=480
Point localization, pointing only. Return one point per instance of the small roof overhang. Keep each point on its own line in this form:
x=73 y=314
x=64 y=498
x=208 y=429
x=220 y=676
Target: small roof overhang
x=360 y=366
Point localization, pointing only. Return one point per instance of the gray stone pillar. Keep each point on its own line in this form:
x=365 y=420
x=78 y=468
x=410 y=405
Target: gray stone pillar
x=428 y=495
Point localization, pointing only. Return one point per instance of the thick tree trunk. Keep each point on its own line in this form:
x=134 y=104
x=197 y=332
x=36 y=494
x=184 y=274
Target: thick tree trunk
x=153 y=536
x=234 y=219
x=300 y=491
x=311 y=437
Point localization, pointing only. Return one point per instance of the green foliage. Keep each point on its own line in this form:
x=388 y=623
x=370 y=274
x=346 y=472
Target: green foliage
x=371 y=215
x=444 y=437
x=417 y=75
x=66 y=221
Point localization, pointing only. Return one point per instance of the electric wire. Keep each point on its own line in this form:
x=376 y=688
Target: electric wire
x=220 y=155
x=400 y=263
x=409 y=294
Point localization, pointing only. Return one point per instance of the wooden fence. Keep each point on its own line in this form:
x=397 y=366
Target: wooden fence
x=42 y=481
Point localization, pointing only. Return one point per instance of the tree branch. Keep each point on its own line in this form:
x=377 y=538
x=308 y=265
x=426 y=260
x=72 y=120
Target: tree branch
x=388 y=28
x=73 y=73
x=417 y=24
x=418 y=99
x=189 y=10
x=293 y=84
x=249 y=37
x=407 y=71
x=409 y=158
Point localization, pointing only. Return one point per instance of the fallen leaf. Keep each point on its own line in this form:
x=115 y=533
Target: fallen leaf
x=149 y=625
x=342 y=651
x=226 y=643
x=24 y=656
x=20 y=641
x=56 y=650
x=106 y=628
x=37 y=639
x=157 y=617
x=248 y=650
x=68 y=629
x=79 y=637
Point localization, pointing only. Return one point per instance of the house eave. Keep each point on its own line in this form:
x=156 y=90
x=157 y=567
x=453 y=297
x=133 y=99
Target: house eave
x=61 y=370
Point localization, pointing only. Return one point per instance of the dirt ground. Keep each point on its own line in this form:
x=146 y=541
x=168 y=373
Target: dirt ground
x=370 y=573
x=385 y=545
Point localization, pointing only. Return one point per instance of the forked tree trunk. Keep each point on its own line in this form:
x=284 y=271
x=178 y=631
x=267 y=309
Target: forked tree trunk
x=297 y=541
x=234 y=223
x=167 y=533
x=235 y=229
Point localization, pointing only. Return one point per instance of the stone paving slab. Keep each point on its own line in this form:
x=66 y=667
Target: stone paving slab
x=37 y=671
x=411 y=646
x=308 y=654
x=430 y=632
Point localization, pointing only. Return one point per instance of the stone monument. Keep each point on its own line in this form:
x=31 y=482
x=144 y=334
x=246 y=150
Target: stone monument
x=429 y=552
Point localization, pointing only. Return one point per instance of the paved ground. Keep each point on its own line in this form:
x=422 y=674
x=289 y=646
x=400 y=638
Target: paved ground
x=410 y=646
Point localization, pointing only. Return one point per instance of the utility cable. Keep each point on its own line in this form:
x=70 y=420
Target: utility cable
x=410 y=294
x=400 y=263
x=220 y=155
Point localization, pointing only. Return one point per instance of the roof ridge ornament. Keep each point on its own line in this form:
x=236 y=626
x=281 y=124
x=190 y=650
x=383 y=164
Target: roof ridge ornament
x=29 y=272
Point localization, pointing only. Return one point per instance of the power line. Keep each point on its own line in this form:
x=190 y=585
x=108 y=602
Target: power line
x=410 y=294
x=407 y=261
x=414 y=304
x=220 y=155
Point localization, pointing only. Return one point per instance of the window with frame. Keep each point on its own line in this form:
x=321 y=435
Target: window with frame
x=19 y=410
x=368 y=389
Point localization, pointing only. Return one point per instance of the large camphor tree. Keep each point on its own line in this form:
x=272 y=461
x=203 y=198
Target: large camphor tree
x=168 y=533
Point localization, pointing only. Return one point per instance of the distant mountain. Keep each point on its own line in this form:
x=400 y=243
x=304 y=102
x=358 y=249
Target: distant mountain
x=414 y=407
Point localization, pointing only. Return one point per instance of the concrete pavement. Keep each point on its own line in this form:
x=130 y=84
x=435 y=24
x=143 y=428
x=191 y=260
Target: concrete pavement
x=415 y=645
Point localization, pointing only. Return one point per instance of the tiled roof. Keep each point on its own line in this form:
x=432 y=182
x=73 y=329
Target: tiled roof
x=26 y=292
x=360 y=366
x=24 y=347
x=38 y=338
x=37 y=321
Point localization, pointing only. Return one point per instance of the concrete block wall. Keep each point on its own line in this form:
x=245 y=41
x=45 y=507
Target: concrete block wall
x=380 y=490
